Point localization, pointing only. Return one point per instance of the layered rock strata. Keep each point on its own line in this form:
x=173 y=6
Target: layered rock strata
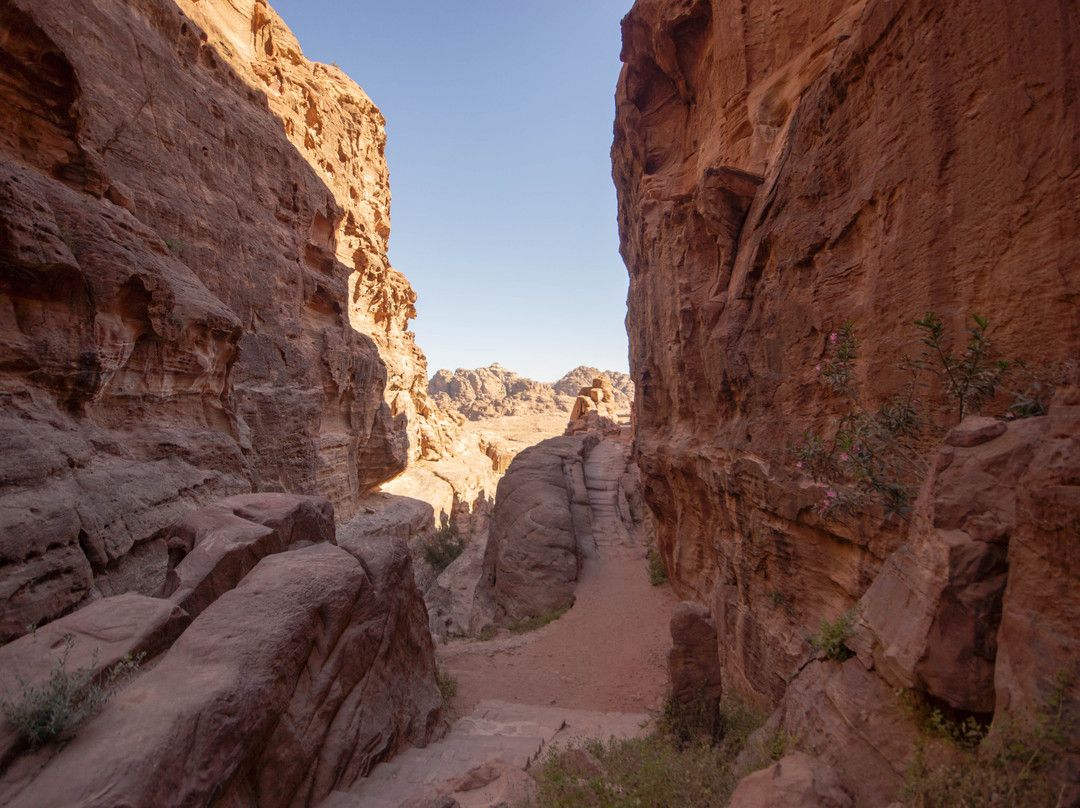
x=784 y=169
x=295 y=679
x=196 y=299
x=494 y=391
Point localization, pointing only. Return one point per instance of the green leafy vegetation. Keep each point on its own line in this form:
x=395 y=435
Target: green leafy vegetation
x=964 y=764
x=687 y=761
x=831 y=637
x=448 y=686
x=54 y=709
x=657 y=570
x=880 y=453
x=443 y=548
x=528 y=624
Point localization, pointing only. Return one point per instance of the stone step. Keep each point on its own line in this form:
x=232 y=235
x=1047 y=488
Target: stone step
x=515 y=733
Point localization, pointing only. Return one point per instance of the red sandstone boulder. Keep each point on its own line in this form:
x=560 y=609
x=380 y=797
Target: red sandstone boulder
x=693 y=662
x=211 y=550
x=932 y=614
x=540 y=531
x=292 y=683
x=795 y=781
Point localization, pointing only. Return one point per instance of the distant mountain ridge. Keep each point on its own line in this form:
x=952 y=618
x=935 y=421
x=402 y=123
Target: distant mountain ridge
x=493 y=391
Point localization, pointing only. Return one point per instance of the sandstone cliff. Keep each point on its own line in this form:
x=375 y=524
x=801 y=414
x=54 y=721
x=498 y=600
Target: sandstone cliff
x=782 y=169
x=195 y=298
x=493 y=391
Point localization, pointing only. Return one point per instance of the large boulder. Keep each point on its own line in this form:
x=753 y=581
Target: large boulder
x=313 y=666
x=540 y=532
x=795 y=781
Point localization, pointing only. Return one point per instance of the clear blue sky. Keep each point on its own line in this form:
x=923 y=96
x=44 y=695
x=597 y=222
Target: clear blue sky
x=499 y=120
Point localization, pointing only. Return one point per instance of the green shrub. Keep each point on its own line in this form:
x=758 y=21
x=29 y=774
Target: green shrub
x=53 y=709
x=880 y=453
x=657 y=570
x=959 y=764
x=830 y=637
x=447 y=685
x=528 y=624
x=443 y=548
x=658 y=770
x=487 y=634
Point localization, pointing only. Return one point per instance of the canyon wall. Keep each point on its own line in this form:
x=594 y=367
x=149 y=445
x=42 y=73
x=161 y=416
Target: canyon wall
x=195 y=298
x=785 y=167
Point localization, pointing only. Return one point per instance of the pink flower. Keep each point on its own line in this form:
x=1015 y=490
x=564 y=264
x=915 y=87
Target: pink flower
x=798 y=465
x=832 y=337
x=843 y=456
x=841 y=364
x=1010 y=415
x=830 y=494
x=818 y=368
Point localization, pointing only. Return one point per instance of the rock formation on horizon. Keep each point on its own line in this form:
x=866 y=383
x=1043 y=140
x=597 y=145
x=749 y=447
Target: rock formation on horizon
x=196 y=299
x=493 y=391
x=784 y=169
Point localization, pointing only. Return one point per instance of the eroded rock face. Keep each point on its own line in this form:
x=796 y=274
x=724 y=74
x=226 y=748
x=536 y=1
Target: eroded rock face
x=196 y=300
x=494 y=391
x=782 y=169
x=317 y=664
x=795 y=781
x=539 y=533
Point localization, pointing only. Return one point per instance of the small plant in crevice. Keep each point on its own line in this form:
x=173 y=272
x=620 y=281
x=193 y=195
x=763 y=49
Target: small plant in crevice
x=778 y=600
x=444 y=547
x=657 y=570
x=54 y=709
x=176 y=245
x=527 y=624
x=448 y=686
x=831 y=637
x=880 y=453
x=1011 y=763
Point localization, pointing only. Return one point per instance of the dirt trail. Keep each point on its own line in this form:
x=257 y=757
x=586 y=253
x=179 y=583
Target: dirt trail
x=607 y=653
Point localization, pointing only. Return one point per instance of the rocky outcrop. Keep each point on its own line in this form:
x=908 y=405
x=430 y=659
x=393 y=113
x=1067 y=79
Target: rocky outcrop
x=540 y=532
x=782 y=169
x=693 y=662
x=494 y=391
x=594 y=410
x=795 y=781
x=620 y=384
x=196 y=300
x=317 y=664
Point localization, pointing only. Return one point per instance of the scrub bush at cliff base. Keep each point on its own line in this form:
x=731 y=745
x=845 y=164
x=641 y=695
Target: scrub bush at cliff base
x=880 y=453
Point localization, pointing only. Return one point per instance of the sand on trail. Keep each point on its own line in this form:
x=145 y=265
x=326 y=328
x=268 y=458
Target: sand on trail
x=608 y=653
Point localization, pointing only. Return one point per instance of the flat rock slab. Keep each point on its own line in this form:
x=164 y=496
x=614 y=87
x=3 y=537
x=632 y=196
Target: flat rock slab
x=516 y=734
x=181 y=732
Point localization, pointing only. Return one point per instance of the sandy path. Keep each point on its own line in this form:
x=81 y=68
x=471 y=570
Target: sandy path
x=607 y=653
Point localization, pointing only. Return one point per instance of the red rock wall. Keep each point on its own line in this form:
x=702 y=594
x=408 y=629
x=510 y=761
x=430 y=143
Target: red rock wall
x=783 y=167
x=195 y=299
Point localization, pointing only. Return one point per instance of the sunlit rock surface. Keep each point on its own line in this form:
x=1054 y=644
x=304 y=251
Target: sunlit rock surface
x=195 y=298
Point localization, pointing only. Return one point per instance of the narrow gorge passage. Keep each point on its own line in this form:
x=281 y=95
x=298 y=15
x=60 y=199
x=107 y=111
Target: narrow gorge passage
x=607 y=653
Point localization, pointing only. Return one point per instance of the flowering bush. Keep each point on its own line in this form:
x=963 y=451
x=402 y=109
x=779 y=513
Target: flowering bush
x=880 y=453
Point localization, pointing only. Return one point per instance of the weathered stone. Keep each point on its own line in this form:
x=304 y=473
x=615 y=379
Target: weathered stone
x=101 y=635
x=932 y=614
x=783 y=168
x=540 y=531
x=1037 y=644
x=290 y=684
x=693 y=662
x=211 y=550
x=854 y=721
x=176 y=324
x=493 y=391
x=795 y=781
